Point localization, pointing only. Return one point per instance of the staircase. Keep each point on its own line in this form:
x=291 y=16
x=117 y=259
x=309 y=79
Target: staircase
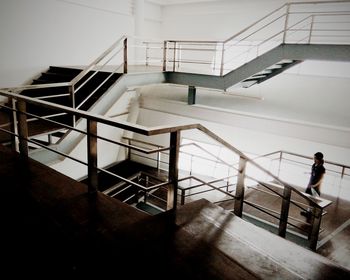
x=152 y=202
x=88 y=90
x=269 y=72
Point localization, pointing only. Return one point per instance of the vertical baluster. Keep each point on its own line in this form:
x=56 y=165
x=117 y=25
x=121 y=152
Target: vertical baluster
x=92 y=156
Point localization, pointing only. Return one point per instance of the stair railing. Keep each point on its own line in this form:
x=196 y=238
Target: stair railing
x=91 y=158
x=280 y=156
x=323 y=22
x=193 y=186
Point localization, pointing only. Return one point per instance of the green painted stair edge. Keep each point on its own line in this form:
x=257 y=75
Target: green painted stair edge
x=148 y=208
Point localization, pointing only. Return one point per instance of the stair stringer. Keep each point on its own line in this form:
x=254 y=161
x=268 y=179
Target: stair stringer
x=73 y=142
x=284 y=51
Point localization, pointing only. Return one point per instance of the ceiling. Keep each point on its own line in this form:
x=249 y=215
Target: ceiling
x=176 y=2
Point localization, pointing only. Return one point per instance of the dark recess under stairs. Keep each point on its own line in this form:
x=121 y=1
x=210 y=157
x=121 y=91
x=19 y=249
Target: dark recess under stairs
x=122 y=191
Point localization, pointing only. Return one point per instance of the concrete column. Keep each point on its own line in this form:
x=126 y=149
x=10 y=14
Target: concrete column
x=191 y=95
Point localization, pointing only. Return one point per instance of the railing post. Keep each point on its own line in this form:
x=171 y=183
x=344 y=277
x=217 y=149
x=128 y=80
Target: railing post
x=92 y=156
x=222 y=60
x=183 y=197
x=282 y=229
x=129 y=150
x=239 y=196
x=72 y=100
x=311 y=27
x=125 y=44
x=147 y=54
x=173 y=169
x=228 y=180
x=286 y=24
x=164 y=55
x=279 y=164
x=158 y=159
x=22 y=128
x=174 y=62
x=191 y=163
x=14 y=130
x=315 y=227
x=191 y=97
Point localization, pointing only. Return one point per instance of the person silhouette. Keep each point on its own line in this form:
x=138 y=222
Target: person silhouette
x=316 y=177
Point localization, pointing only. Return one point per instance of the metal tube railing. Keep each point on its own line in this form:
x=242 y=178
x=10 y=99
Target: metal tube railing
x=266 y=23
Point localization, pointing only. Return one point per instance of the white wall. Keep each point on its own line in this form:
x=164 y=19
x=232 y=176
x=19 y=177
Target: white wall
x=247 y=140
x=216 y=20
x=38 y=33
x=292 y=121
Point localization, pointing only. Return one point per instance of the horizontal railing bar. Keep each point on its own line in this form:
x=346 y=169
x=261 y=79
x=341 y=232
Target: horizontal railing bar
x=313 y=30
x=207 y=184
x=52 y=96
x=311 y=158
x=262 y=209
x=199 y=192
x=131 y=146
x=191 y=62
x=256 y=22
x=122 y=178
x=142 y=142
x=192 y=49
x=43 y=146
x=120 y=124
x=38 y=86
x=97 y=60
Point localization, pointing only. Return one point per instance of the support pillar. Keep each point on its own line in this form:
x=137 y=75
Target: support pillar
x=22 y=128
x=92 y=156
x=282 y=229
x=239 y=196
x=315 y=227
x=173 y=170
x=191 y=95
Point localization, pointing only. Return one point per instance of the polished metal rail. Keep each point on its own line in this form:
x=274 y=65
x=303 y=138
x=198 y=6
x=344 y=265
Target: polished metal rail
x=92 y=121
x=295 y=22
x=271 y=191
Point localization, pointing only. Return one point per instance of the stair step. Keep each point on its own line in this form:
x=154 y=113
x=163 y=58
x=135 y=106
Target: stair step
x=247 y=84
x=56 y=77
x=58 y=134
x=64 y=70
x=45 y=91
x=148 y=208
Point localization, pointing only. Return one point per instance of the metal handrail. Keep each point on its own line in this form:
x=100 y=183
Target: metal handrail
x=281 y=152
x=96 y=61
x=250 y=30
x=93 y=120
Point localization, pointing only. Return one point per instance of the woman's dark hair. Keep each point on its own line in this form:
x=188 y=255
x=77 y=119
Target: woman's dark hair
x=319 y=156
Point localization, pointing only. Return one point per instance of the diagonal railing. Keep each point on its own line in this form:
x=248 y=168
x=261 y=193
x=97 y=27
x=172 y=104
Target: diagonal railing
x=254 y=39
x=90 y=159
x=323 y=22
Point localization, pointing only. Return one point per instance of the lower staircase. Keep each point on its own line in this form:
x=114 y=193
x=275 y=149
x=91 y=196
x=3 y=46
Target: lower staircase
x=152 y=202
x=52 y=226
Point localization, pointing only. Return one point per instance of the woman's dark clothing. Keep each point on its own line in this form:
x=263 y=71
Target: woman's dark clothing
x=316 y=173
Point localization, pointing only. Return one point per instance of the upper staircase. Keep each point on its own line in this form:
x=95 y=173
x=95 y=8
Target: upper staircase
x=89 y=89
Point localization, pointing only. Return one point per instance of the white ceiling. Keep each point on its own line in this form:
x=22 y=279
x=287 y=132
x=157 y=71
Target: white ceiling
x=177 y=2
